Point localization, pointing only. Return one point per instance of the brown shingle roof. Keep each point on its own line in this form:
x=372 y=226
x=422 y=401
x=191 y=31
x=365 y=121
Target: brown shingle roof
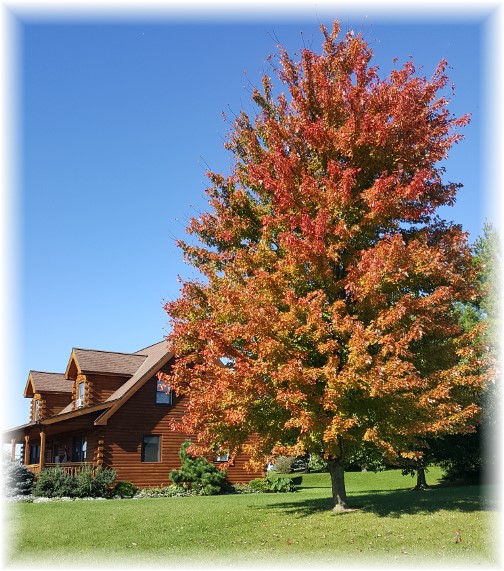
x=92 y=361
x=138 y=365
x=152 y=355
x=50 y=382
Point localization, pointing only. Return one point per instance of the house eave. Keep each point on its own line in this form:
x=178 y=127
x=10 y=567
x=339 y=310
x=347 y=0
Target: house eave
x=75 y=413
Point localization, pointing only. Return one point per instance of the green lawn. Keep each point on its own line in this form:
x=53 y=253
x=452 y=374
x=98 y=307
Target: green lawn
x=441 y=525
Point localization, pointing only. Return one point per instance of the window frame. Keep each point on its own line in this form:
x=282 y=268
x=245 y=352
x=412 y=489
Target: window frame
x=168 y=395
x=81 y=393
x=143 y=449
x=34 y=458
x=220 y=457
x=79 y=449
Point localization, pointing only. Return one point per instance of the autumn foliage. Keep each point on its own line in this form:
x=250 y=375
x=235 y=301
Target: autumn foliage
x=325 y=312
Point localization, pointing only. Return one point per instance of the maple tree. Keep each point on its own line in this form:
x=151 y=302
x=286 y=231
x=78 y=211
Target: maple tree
x=325 y=316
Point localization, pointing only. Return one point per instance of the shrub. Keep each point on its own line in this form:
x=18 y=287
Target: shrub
x=269 y=484
x=165 y=492
x=84 y=486
x=198 y=474
x=17 y=479
x=97 y=485
x=283 y=464
x=103 y=480
x=281 y=485
x=124 y=490
x=316 y=463
x=242 y=488
x=259 y=485
x=53 y=483
x=365 y=457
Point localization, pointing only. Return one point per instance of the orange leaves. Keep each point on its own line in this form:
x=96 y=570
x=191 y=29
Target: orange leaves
x=329 y=290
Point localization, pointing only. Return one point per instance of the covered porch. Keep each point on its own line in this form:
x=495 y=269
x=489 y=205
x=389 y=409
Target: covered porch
x=72 y=444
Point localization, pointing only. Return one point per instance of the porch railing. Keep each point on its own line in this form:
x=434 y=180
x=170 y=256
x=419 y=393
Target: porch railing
x=72 y=468
x=35 y=468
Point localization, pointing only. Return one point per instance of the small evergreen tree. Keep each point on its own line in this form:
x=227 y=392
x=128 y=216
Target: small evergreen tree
x=198 y=474
x=16 y=479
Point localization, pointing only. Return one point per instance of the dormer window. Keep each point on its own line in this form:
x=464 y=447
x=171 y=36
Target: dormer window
x=80 y=394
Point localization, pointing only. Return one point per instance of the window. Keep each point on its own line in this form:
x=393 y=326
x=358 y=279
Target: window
x=55 y=452
x=151 y=448
x=34 y=453
x=79 y=449
x=163 y=394
x=80 y=393
x=220 y=456
x=36 y=410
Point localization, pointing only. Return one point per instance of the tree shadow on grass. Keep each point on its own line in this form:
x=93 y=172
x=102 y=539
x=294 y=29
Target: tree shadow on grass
x=395 y=503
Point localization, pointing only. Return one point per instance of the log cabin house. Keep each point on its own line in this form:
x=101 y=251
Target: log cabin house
x=108 y=409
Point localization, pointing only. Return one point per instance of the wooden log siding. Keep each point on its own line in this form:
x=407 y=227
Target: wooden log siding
x=99 y=451
x=55 y=403
x=37 y=397
x=101 y=387
x=140 y=416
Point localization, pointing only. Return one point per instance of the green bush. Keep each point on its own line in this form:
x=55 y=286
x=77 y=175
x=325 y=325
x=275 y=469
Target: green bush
x=103 y=480
x=124 y=490
x=259 y=485
x=16 y=478
x=316 y=463
x=365 y=457
x=165 y=492
x=198 y=474
x=54 y=483
x=242 y=488
x=94 y=485
x=281 y=485
x=84 y=486
x=272 y=483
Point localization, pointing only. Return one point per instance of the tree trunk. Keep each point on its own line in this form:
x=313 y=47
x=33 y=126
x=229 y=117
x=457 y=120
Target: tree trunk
x=421 y=483
x=335 y=466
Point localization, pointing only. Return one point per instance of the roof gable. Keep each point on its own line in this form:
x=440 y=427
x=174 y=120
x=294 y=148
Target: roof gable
x=157 y=356
x=103 y=362
x=147 y=362
x=42 y=382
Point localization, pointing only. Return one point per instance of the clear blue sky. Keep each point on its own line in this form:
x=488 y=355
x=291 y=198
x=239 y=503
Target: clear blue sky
x=118 y=123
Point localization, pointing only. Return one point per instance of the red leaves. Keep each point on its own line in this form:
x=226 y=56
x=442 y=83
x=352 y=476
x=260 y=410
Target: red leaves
x=329 y=291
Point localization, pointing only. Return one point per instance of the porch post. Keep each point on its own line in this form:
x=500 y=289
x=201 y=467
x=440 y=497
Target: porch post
x=27 y=450
x=42 y=447
x=13 y=450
